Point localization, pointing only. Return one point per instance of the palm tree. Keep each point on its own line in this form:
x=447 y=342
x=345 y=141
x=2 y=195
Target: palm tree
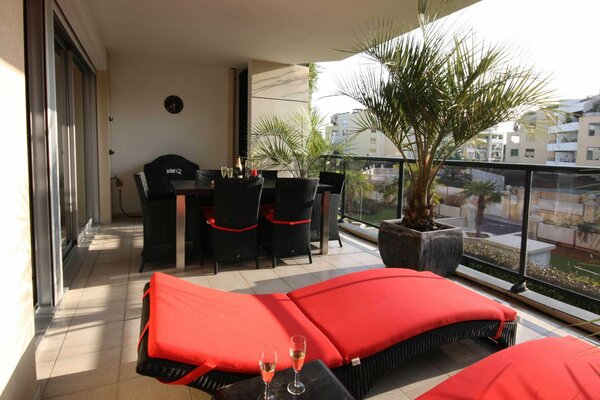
x=486 y=193
x=295 y=143
x=435 y=91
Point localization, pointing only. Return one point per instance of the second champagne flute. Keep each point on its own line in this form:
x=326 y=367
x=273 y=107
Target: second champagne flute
x=267 y=363
x=297 y=352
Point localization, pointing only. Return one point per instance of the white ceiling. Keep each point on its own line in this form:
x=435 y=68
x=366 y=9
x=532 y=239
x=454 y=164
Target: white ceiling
x=227 y=33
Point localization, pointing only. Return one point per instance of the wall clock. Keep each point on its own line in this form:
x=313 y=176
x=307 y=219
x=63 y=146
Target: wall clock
x=174 y=104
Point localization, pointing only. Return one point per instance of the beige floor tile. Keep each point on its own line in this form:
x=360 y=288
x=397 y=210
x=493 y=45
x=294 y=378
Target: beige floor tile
x=121 y=256
x=228 y=280
x=84 y=340
x=91 y=316
x=112 y=268
x=107 y=293
x=385 y=389
x=300 y=281
x=131 y=331
x=343 y=261
x=133 y=310
x=108 y=392
x=81 y=372
x=43 y=368
x=417 y=376
x=366 y=258
x=107 y=279
x=128 y=362
x=49 y=347
x=200 y=395
x=266 y=281
x=150 y=389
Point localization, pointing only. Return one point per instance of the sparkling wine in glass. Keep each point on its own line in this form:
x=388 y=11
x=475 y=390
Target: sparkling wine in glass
x=267 y=363
x=297 y=353
x=223 y=172
x=230 y=172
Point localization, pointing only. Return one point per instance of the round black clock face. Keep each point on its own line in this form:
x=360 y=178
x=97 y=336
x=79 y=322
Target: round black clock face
x=173 y=104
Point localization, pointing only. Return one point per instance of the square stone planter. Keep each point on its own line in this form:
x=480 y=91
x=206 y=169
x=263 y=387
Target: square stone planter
x=436 y=251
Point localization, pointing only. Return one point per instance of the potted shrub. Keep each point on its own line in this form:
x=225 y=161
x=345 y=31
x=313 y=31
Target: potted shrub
x=435 y=90
x=294 y=143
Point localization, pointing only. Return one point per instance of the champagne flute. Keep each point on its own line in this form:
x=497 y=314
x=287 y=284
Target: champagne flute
x=297 y=352
x=267 y=363
x=230 y=172
x=223 y=172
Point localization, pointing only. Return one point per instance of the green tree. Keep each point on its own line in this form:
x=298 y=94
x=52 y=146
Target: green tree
x=434 y=91
x=486 y=193
x=357 y=183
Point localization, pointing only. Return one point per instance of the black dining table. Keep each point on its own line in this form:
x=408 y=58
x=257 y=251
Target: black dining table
x=185 y=188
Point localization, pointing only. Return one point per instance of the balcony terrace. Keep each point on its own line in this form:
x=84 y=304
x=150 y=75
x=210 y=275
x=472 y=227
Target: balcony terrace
x=89 y=351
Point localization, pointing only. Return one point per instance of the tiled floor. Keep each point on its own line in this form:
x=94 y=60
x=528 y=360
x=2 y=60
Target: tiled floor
x=89 y=351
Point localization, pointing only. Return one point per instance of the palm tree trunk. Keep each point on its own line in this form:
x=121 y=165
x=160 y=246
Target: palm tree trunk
x=479 y=216
x=419 y=213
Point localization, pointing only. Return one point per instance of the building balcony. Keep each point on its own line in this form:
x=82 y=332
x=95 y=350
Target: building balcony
x=570 y=127
x=566 y=146
x=562 y=162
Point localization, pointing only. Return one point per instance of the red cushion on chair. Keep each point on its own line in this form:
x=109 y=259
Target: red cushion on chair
x=267 y=211
x=551 y=368
x=366 y=312
x=202 y=326
x=209 y=214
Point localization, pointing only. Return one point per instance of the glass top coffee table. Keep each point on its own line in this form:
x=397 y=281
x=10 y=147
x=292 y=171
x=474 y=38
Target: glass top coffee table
x=320 y=383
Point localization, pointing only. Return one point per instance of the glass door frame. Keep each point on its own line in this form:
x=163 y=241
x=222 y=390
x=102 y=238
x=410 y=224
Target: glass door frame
x=42 y=18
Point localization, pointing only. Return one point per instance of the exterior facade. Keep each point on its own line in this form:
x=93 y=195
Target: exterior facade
x=370 y=143
x=571 y=141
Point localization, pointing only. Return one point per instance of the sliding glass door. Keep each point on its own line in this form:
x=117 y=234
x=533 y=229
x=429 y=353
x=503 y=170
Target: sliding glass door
x=75 y=142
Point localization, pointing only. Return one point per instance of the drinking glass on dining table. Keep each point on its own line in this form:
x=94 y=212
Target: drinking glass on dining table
x=297 y=352
x=223 y=172
x=230 y=172
x=267 y=363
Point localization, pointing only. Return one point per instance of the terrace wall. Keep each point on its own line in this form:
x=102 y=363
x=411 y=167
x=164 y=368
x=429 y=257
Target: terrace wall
x=17 y=350
x=142 y=129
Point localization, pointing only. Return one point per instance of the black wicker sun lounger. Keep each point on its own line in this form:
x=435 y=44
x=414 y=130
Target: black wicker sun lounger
x=360 y=325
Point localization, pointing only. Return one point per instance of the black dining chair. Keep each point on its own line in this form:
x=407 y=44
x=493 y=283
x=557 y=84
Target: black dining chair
x=233 y=221
x=268 y=175
x=158 y=219
x=336 y=181
x=284 y=227
x=164 y=169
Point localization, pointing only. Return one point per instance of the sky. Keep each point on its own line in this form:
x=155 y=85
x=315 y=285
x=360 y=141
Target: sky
x=555 y=36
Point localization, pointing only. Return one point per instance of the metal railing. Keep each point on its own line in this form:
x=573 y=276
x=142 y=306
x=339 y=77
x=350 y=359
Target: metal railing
x=545 y=203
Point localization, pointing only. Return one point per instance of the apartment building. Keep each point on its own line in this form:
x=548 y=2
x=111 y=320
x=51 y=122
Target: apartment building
x=572 y=140
x=368 y=142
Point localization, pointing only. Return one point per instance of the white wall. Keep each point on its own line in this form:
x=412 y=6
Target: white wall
x=142 y=129
x=17 y=365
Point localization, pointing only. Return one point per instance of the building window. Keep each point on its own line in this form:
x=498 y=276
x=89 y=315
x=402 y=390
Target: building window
x=593 y=153
x=593 y=129
x=529 y=153
x=373 y=140
x=372 y=151
x=514 y=152
x=515 y=139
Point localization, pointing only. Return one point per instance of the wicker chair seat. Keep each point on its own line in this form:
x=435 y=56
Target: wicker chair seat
x=206 y=338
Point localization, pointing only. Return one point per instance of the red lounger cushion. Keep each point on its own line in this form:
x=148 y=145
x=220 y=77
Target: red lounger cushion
x=366 y=312
x=215 y=329
x=551 y=368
